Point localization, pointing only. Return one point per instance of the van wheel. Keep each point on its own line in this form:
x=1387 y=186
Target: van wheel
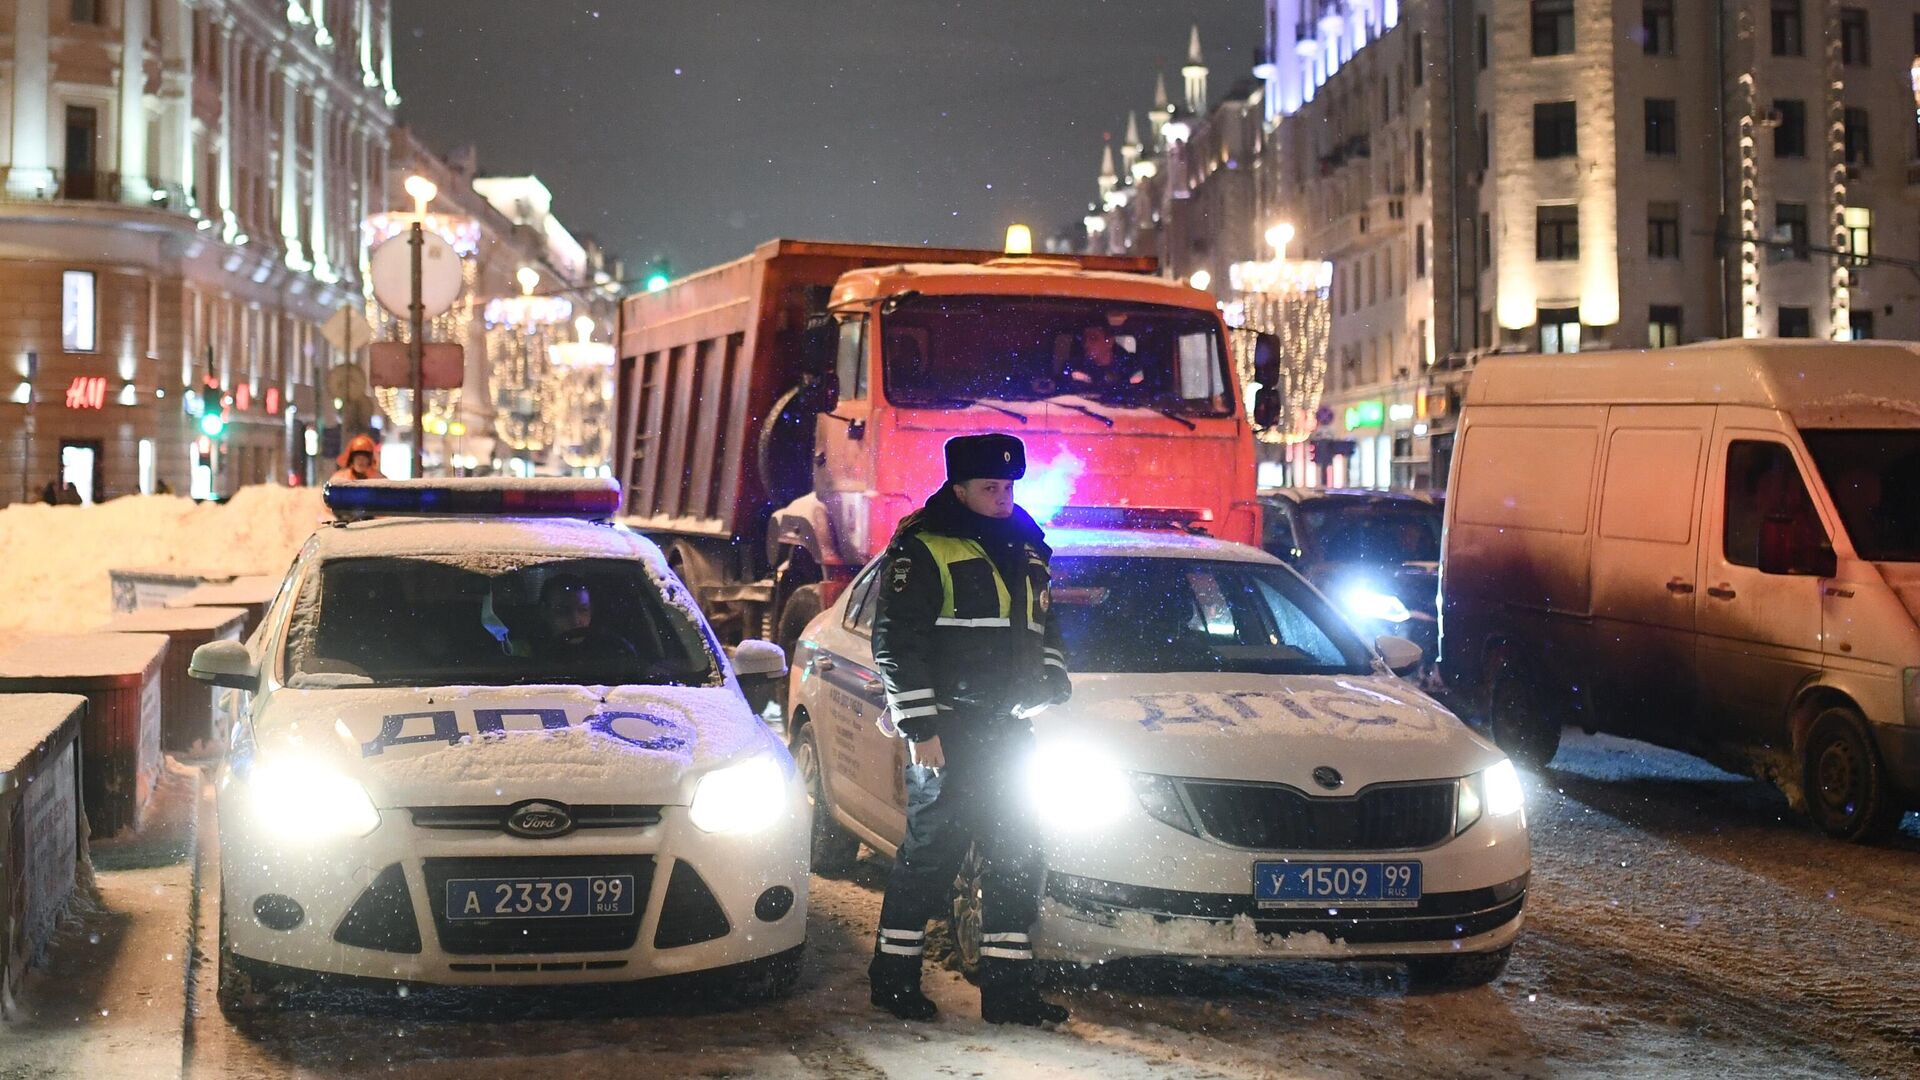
x=1517 y=717
x=834 y=849
x=1458 y=972
x=1848 y=795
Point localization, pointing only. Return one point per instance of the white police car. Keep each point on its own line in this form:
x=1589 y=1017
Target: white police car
x=1237 y=778
x=487 y=739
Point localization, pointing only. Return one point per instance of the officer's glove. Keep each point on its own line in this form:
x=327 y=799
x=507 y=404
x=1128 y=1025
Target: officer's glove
x=1059 y=687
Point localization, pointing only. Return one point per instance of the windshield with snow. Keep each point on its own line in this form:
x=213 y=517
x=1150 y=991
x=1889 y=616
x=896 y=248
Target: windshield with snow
x=1874 y=478
x=947 y=351
x=425 y=622
x=1165 y=615
x=1373 y=534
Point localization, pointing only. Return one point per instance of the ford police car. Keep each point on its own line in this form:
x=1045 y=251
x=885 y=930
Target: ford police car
x=486 y=738
x=1237 y=778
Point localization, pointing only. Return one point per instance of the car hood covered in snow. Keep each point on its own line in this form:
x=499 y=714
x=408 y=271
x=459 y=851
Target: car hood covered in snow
x=484 y=745
x=1276 y=729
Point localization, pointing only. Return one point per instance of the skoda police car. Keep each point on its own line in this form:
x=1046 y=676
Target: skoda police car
x=1237 y=778
x=486 y=738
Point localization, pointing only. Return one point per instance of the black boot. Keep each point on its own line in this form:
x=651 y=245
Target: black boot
x=895 y=987
x=1008 y=995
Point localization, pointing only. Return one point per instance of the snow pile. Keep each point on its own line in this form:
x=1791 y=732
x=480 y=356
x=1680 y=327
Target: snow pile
x=82 y=656
x=26 y=720
x=1239 y=936
x=54 y=559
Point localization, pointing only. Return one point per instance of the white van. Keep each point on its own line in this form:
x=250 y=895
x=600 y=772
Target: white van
x=1715 y=548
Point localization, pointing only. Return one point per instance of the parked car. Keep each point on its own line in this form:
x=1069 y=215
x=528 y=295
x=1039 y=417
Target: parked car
x=1375 y=553
x=1714 y=548
x=1239 y=776
x=485 y=738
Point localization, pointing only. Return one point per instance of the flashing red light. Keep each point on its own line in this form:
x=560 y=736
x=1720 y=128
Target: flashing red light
x=481 y=497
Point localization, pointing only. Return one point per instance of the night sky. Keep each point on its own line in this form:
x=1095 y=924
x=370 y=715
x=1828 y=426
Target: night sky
x=695 y=130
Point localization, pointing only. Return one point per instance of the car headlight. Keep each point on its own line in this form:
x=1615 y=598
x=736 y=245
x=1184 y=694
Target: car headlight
x=1492 y=792
x=1074 y=789
x=744 y=797
x=300 y=800
x=1371 y=603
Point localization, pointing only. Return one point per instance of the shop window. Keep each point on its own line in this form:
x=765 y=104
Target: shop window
x=1559 y=330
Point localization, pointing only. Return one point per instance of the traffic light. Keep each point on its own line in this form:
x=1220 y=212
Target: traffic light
x=657 y=280
x=213 y=418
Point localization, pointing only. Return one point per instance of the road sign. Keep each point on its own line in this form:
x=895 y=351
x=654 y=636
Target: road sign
x=442 y=367
x=392 y=269
x=347 y=330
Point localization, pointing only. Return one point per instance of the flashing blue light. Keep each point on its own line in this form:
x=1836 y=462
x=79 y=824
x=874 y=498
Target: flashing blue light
x=1048 y=487
x=587 y=498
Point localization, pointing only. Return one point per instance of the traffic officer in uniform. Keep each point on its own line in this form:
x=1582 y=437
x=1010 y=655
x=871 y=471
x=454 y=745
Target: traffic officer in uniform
x=966 y=643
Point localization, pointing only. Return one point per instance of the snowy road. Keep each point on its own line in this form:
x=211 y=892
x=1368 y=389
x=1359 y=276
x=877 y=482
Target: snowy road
x=1681 y=923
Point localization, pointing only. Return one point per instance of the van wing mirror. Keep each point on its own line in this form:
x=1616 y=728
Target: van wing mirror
x=225 y=663
x=1787 y=547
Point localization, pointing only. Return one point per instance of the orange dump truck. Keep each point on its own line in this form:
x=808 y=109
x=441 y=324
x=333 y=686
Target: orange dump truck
x=778 y=415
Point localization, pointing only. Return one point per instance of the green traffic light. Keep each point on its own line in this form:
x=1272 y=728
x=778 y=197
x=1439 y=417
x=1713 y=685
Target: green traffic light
x=212 y=424
x=657 y=281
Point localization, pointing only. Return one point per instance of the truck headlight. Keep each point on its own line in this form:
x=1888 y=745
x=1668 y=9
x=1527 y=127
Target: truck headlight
x=1074 y=789
x=1370 y=603
x=1492 y=792
x=744 y=797
x=299 y=800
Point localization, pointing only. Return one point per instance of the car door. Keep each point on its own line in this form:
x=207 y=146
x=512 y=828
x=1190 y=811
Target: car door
x=1759 y=634
x=864 y=764
x=1645 y=559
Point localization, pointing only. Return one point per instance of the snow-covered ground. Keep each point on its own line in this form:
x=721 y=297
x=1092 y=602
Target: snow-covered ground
x=1682 y=923
x=54 y=560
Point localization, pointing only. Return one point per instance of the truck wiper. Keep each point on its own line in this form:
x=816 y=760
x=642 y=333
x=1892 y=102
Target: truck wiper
x=1174 y=416
x=1102 y=417
x=966 y=403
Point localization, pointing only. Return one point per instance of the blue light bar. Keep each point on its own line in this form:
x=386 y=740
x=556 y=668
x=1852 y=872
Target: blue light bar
x=473 y=497
x=1184 y=518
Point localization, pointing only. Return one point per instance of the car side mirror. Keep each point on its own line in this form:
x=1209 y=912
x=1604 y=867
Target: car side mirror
x=1785 y=549
x=225 y=663
x=1401 y=655
x=754 y=658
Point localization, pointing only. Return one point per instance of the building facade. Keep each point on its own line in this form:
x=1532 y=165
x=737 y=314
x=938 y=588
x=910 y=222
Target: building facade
x=1564 y=175
x=182 y=184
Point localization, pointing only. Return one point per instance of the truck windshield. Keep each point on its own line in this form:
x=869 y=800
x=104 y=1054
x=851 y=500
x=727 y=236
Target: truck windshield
x=947 y=351
x=1874 y=478
x=1145 y=615
x=421 y=621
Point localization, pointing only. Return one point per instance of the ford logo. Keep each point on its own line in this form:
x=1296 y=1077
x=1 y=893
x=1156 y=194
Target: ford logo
x=1328 y=777
x=537 y=820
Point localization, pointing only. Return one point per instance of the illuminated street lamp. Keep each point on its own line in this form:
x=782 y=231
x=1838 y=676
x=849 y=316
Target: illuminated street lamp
x=1288 y=298
x=422 y=191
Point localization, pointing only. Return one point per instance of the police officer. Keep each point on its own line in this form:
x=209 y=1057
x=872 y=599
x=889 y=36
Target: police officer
x=965 y=641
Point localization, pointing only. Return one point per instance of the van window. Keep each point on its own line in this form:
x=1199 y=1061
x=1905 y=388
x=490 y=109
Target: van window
x=1528 y=477
x=1874 y=478
x=860 y=605
x=1650 y=485
x=1763 y=482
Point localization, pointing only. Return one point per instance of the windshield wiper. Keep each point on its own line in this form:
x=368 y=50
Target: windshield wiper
x=963 y=403
x=1171 y=415
x=1102 y=417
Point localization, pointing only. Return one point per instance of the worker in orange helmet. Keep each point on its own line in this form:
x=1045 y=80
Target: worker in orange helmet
x=356 y=462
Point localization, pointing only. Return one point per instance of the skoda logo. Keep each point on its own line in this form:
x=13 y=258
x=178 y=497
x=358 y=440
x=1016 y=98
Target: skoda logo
x=539 y=819
x=1328 y=777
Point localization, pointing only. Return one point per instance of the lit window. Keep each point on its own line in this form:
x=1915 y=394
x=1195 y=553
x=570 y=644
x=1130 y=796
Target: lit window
x=79 y=326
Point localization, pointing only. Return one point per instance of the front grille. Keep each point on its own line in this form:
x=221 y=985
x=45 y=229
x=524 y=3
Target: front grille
x=690 y=913
x=1269 y=817
x=586 y=933
x=494 y=818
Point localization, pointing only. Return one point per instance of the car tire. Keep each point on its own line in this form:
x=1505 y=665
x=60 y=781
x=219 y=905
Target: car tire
x=1459 y=971
x=835 y=850
x=964 y=915
x=802 y=605
x=1517 y=717
x=771 y=978
x=1848 y=794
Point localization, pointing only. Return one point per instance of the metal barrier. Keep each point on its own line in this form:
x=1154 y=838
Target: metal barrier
x=119 y=674
x=42 y=838
x=188 y=709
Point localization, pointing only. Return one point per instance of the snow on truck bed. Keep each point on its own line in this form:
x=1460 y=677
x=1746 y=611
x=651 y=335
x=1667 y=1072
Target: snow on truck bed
x=54 y=560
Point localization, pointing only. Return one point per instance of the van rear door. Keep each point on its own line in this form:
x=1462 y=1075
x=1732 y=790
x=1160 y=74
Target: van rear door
x=1759 y=634
x=1644 y=568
